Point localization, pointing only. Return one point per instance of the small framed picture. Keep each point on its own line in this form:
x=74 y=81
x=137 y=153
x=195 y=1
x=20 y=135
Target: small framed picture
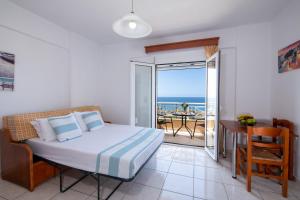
x=7 y=71
x=289 y=58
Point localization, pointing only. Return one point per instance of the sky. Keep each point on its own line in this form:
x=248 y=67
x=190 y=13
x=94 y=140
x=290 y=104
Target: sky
x=181 y=83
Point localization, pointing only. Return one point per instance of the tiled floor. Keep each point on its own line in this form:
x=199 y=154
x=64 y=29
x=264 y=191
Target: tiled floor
x=174 y=172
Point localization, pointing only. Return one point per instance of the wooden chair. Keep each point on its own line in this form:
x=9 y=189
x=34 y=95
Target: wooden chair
x=267 y=154
x=277 y=123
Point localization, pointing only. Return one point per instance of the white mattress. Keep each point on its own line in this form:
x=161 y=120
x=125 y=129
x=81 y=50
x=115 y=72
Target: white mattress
x=83 y=152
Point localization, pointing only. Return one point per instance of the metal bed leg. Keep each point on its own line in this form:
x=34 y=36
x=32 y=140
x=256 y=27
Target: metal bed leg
x=224 y=142
x=114 y=190
x=61 y=178
x=98 y=186
x=98 y=179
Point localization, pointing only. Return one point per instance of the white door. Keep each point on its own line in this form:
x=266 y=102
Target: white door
x=143 y=96
x=212 y=105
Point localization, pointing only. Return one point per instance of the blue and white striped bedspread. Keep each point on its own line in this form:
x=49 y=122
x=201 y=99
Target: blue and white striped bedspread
x=119 y=159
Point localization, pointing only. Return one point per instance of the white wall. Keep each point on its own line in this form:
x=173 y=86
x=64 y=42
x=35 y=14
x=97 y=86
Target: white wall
x=49 y=59
x=285 y=87
x=86 y=57
x=247 y=47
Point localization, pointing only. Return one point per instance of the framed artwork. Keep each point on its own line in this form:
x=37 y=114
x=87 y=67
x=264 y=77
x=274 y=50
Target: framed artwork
x=289 y=58
x=7 y=71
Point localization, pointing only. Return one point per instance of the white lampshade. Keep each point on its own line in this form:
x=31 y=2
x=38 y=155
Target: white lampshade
x=132 y=26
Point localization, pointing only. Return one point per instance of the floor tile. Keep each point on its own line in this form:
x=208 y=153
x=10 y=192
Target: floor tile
x=157 y=164
x=267 y=185
x=166 y=195
x=107 y=188
x=70 y=195
x=236 y=192
x=199 y=160
x=228 y=180
x=273 y=196
x=207 y=162
x=87 y=186
x=151 y=178
x=294 y=188
x=54 y=180
x=117 y=195
x=184 y=156
x=179 y=184
x=165 y=152
x=181 y=169
x=44 y=191
x=207 y=173
x=11 y=191
x=200 y=152
x=204 y=189
x=187 y=150
x=141 y=192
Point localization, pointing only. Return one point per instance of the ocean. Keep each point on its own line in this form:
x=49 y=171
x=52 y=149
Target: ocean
x=174 y=103
x=182 y=99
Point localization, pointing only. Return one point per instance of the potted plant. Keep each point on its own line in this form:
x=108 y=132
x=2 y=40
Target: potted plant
x=184 y=106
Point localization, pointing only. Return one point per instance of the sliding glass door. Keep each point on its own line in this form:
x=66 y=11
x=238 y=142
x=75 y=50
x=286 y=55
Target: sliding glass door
x=212 y=106
x=142 y=94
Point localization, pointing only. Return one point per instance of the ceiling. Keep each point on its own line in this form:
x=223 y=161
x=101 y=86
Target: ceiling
x=94 y=18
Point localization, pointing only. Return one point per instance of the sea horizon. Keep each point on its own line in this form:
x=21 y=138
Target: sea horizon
x=181 y=99
x=167 y=103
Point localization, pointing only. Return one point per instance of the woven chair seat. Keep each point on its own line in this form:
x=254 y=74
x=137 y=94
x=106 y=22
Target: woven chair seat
x=265 y=154
x=262 y=153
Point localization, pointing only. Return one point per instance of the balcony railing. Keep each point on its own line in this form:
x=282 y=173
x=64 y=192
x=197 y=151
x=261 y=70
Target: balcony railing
x=171 y=107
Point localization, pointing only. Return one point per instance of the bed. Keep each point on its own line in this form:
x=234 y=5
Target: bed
x=116 y=151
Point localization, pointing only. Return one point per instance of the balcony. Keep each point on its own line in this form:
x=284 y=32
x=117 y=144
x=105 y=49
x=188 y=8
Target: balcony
x=168 y=112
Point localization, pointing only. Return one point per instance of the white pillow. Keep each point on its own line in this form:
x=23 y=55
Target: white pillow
x=78 y=116
x=36 y=126
x=93 y=120
x=65 y=127
x=43 y=129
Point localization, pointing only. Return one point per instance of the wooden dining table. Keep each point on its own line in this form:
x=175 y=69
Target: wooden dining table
x=235 y=128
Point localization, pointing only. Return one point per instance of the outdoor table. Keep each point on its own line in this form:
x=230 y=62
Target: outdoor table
x=183 y=122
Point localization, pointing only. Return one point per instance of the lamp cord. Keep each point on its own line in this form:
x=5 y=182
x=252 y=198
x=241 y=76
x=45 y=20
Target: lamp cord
x=132 y=7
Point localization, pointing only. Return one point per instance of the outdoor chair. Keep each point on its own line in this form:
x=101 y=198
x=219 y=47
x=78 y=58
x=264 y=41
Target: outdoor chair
x=164 y=120
x=199 y=121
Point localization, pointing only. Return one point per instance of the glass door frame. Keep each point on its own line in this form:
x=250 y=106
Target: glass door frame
x=215 y=154
x=133 y=65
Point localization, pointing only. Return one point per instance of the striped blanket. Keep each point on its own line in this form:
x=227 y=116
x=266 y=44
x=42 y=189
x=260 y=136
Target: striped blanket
x=118 y=160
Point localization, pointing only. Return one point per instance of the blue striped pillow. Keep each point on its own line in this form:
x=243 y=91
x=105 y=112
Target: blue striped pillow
x=65 y=127
x=93 y=120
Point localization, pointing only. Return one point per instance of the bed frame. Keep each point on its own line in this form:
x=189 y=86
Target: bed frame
x=96 y=176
